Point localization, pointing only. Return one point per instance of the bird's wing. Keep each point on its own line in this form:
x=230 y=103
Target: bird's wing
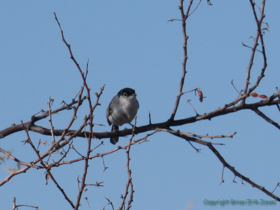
x=109 y=111
x=138 y=104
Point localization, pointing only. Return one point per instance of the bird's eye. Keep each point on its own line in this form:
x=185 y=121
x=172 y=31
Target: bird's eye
x=125 y=94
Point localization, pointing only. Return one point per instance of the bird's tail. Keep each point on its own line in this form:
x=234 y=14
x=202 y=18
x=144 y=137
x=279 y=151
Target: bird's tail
x=115 y=139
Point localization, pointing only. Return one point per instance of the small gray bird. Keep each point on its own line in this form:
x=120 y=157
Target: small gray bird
x=122 y=109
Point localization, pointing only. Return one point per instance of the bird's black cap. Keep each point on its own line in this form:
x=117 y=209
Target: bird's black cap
x=128 y=91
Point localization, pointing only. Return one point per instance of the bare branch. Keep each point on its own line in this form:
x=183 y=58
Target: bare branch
x=236 y=173
x=258 y=36
x=110 y=203
x=129 y=181
x=266 y=118
x=185 y=37
x=50 y=118
x=15 y=206
x=9 y=155
x=48 y=169
x=225 y=164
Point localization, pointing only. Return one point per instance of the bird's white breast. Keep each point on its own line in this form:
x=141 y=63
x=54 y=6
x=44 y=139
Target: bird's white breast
x=125 y=112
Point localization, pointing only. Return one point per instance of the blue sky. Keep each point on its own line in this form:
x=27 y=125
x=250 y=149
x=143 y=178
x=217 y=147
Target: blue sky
x=132 y=44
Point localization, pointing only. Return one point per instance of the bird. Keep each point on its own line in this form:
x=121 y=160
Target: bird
x=122 y=109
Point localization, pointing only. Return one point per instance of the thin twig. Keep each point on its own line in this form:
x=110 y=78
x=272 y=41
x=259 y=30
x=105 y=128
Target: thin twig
x=104 y=163
x=50 y=118
x=87 y=203
x=266 y=118
x=236 y=173
x=250 y=47
x=15 y=207
x=48 y=169
x=207 y=136
x=129 y=181
x=185 y=37
x=225 y=164
x=110 y=203
x=195 y=8
x=223 y=175
x=278 y=184
x=9 y=155
x=259 y=35
x=189 y=101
